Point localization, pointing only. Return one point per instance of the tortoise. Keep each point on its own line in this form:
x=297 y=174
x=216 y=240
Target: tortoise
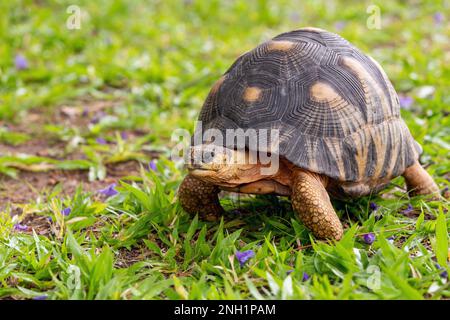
x=339 y=124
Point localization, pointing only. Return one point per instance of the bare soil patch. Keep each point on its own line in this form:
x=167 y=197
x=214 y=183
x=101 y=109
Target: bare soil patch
x=30 y=185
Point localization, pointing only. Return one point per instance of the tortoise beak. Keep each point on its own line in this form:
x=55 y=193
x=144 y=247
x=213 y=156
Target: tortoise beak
x=194 y=166
x=199 y=167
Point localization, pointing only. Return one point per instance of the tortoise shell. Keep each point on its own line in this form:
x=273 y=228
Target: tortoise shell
x=336 y=111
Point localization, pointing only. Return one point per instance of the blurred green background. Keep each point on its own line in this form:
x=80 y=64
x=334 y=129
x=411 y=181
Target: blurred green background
x=161 y=57
x=115 y=89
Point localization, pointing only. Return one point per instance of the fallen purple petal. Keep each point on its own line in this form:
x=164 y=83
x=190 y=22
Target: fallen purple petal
x=97 y=117
x=444 y=273
x=66 y=211
x=289 y=272
x=369 y=238
x=43 y=297
x=101 y=141
x=244 y=256
x=339 y=25
x=109 y=191
x=438 y=17
x=305 y=276
x=20 y=62
x=20 y=227
x=152 y=165
x=405 y=101
x=408 y=209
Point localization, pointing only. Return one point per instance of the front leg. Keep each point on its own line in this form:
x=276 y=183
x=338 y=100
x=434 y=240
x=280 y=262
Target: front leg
x=200 y=197
x=311 y=201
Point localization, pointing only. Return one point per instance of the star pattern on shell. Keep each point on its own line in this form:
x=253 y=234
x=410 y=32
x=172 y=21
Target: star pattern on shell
x=337 y=112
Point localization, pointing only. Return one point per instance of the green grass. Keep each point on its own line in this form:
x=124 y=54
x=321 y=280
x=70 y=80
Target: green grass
x=155 y=61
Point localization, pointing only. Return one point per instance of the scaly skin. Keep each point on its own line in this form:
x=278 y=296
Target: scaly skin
x=200 y=197
x=311 y=201
x=419 y=182
x=308 y=192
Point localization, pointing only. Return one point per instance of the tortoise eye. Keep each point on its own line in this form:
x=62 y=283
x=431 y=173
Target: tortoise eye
x=208 y=156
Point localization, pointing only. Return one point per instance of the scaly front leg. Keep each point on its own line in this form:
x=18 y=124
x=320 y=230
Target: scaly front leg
x=200 y=197
x=311 y=201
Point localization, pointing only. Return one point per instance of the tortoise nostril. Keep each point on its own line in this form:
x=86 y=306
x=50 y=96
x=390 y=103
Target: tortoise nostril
x=196 y=156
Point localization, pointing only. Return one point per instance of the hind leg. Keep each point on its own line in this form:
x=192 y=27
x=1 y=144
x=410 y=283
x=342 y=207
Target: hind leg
x=200 y=197
x=419 y=182
x=311 y=201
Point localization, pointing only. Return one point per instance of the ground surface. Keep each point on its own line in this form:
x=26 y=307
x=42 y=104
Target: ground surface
x=84 y=109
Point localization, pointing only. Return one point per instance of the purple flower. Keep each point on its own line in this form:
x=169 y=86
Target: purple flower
x=20 y=227
x=43 y=297
x=66 y=211
x=444 y=273
x=405 y=101
x=369 y=238
x=305 y=276
x=152 y=165
x=244 y=256
x=97 y=117
x=373 y=206
x=294 y=17
x=20 y=62
x=339 y=25
x=438 y=17
x=108 y=41
x=101 y=141
x=109 y=191
x=124 y=135
x=408 y=209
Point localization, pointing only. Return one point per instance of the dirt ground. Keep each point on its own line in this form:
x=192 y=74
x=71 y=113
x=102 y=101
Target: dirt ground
x=29 y=185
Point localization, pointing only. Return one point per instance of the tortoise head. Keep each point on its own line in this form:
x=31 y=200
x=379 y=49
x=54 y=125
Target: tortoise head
x=222 y=166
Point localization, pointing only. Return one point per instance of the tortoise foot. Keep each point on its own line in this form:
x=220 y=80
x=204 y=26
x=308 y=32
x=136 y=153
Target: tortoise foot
x=198 y=197
x=419 y=181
